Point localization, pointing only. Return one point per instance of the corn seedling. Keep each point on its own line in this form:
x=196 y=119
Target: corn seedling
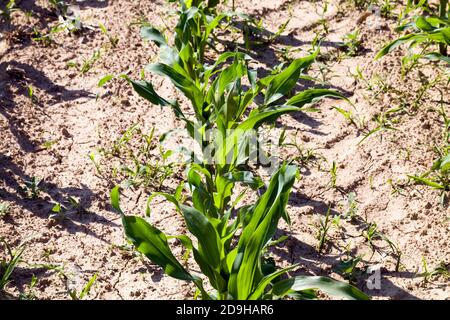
x=323 y=21
x=352 y=207
x=302 y=156
x=348 y=268
x=426 y=30
x=8 y=9
x=7 y=266
x=323 y=228
x=87 y=64
x=31 y=188
x=58 y=212
x=85 y=291
x=352 y=43
x=232 y=261
x=386 y=9
x=45 y=39
x=397 y=187
x=333 y=174
x=349 y=116
x=113 y=40
x=31 y=95
x=4 y=209
x=441 y=270
x=92 y=157
x=30 y=294
x=384 y=122
x=371 y=233
x=438 y=177
x=48 y=144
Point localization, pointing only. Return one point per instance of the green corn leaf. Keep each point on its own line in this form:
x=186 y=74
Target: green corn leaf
x=245 y=177
x=104 y=80
x=440 y=35
x=183 y=83
x=152 y=243
x=255 y=119
x=262 y=285
x=427 y=182
x=423 y=24
x=168 y=197
x=145 y=90
x=246 y=272
x=208 y=239
x=312 y=95
x=115 y=199
x=10 y=265
x=152 y=34
x=88 y=286
x=445 y=164
x=394 y=44
x=285 y=81
x=434 y=56
x=212 y=69
x=329 y=286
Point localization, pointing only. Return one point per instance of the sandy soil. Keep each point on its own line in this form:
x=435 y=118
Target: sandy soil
x=51 y=134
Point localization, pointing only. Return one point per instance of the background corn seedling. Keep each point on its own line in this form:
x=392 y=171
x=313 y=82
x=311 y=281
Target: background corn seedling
x=4 y=209
x=438 y=177
x=7 y=9
x=137 y=159
x=426 y=30
x=8 y=265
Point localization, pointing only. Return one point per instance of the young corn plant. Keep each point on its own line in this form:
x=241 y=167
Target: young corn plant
x=232 y=261
x=223 y=123
x=438 y=177
x=352 y=43
x=7 y=10
x=4 y=209
x=426 y=30
x=150 y=166
x=8 y=265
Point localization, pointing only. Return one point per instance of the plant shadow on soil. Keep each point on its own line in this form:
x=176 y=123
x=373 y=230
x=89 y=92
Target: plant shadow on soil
x=15 y=78
x=13 y=178
x=295 y=251
x=20 y=38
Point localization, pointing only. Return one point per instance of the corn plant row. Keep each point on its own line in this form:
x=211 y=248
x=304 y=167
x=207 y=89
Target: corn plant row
x=229 y=240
